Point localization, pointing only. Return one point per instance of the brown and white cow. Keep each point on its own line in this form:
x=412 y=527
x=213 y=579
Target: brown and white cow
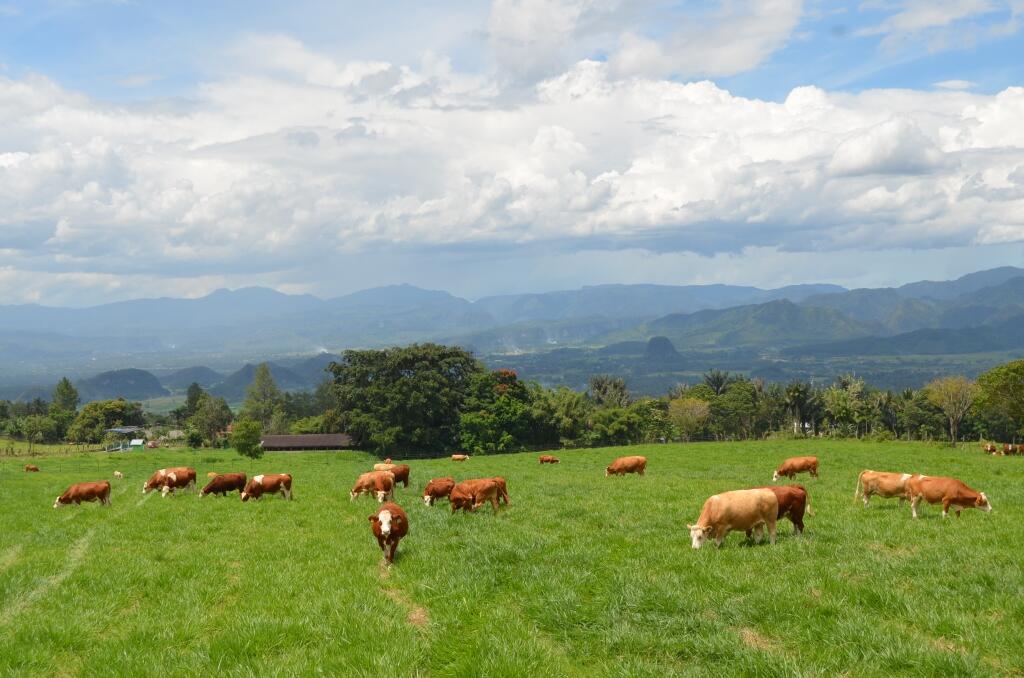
x=795 y=465
x=989 y=448
x=31 y=468
x=223 y=483
x=170 y=479
x=401 y=473
x=379 y=483
x=79 y=492
x=947 y=491
x=881 y=483
x=460 y=457
x=389 y=524
x=740 y=510
x=548 y=459
x=269 y=483
x=437 y=488
x=793 y=501
x=624 y=465
x=469 y=495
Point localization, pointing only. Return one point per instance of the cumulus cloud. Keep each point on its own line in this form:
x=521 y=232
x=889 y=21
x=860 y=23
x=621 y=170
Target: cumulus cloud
x=276 y=172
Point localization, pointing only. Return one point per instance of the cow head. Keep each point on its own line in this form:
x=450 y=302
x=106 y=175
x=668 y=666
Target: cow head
x=428 y=500
x=385 y=519
x=775 y=476
x=381 y=496
x=698 y=535
x=352 y=495
x=56 y=502
x=607 y=471
x=982 y=503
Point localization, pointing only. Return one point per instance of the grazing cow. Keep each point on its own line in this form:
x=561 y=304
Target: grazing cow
x=170 y=479
x=737 y=510
x=548 y=459
x=389 y=525
x=469 y=495
x=948 y=491
x=118 y=475
x=624 y=465
x=989 y=448
x=793 y=500
x=460 y=457
x=882 y=483
x=31 y=468
x=401 y=473
x=386 y=466
x=380 y=483
x=80 y=492
x=794 y=465
x=437 y=488
x=223 y=483
x=270 y=483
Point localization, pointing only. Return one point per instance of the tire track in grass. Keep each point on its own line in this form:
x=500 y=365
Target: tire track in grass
x=75 y=555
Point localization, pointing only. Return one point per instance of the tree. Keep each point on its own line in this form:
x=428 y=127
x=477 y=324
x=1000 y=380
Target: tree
x=38 y=428
x=192 y=396
x=798 y=395
x=718 y=380
x=496 y=413
x=1001 y=396
x=98 y=416
x=212 y=416
x=405 y=398
x=609 y=391
x=65 y=396
x=954 y=396
x=263 y=397
x=688 y=415
x=246 y=435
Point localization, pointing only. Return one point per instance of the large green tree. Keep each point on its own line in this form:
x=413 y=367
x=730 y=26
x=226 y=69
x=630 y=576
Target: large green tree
x=65 y=396
x=609 y=391
x=404 y=399
x=1001 y=397
x=212 y=416
x=246 y=435
x=263 y=399
x=99 y=415
x=954 y=396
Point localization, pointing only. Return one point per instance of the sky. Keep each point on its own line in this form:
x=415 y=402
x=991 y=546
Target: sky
x=173 y=148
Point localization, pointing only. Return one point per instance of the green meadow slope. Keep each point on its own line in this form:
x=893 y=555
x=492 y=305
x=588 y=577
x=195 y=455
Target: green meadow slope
x=582 y=575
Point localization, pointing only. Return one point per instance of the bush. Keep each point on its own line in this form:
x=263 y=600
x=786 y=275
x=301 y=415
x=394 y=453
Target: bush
x=246 y=436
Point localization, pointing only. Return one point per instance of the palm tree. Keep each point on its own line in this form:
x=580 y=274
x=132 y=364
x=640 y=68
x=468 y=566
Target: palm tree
x=718 y=381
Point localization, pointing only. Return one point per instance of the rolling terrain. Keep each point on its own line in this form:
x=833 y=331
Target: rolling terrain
x=580 y=575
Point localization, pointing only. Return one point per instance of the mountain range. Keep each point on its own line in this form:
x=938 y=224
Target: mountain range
x=206 y=339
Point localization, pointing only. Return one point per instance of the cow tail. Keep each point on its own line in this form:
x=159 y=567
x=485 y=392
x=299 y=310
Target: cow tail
x=809 y=511
x=857 y=490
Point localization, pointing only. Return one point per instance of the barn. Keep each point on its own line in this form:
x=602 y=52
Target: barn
x=308 y=441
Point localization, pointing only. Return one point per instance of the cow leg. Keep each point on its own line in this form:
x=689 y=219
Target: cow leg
x=758 y=533
x=914 y=501
x=750 y=535
x=945 y=508
x=382 y=545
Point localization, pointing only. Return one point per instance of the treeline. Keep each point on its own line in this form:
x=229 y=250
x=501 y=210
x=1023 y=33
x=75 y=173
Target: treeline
x=428 y=398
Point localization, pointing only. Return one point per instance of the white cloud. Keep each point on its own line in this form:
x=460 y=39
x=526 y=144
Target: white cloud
x=955 y=84
x=273 y=172
x=944 y=24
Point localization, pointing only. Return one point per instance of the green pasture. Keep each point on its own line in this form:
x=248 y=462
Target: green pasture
x=582 y=575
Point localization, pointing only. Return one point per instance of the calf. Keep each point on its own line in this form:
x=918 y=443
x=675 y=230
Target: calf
x=624 y=465
x=31 y=468
x=271 y=483
x=793 y=500
x=1007 y=449
x=401 y=473
x=80 y=492
x=118 y=475
x=548 y=459
x=169 y=479
x=223 y=483
x=380 y=483
x=989 y=448
x=469 y=495
x=737 y=510
x=881 y=483
x=437 y=488
x=389 y=524
x=460 y=457
x=794 y=465
x=948 y=491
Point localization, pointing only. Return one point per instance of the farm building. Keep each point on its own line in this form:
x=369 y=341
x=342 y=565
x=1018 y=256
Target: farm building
x=309 y=441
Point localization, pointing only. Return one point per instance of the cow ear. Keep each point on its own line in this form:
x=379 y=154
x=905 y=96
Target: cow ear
x=372 y=517
x=707 y=530
x=397 y=520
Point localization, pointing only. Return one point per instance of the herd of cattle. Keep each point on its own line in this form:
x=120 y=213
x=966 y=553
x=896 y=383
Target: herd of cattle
x=752 y=511
x=1007 y=449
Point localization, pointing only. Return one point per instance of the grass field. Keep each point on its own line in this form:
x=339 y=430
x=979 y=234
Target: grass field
x=582 y=575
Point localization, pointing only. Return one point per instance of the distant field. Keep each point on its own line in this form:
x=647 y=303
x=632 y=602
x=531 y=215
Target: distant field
x=19 y=448
x=582 y=575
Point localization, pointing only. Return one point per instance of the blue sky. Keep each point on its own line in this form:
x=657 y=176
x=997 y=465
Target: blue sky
x=518 y=145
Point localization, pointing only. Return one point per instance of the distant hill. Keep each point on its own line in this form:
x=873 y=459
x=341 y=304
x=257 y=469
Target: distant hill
x=776 y=323
x=314 y=370
x=235 y=385
x=182 y=379
x=130 y=384
x=950 y=289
